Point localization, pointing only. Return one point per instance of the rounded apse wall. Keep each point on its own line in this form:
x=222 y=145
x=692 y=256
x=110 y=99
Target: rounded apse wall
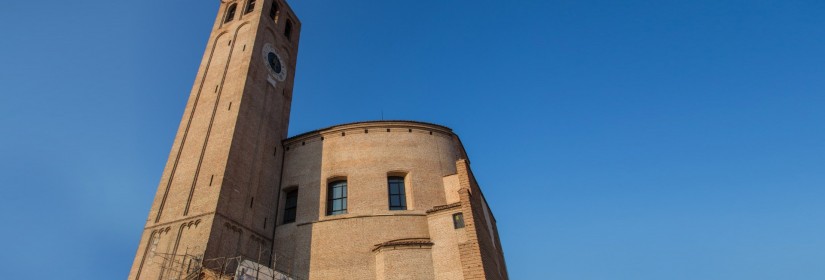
x=365 y=156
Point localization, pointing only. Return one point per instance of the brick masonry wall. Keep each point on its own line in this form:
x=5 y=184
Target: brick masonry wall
x=481 y=255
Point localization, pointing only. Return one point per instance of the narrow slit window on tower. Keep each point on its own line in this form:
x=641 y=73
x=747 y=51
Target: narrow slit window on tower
x=250 y=6
x=288 y=29
x=230 y=13
x=397 y=194
x=274 y=12
x=291 y=206
x=337 y=198
x=458 y=220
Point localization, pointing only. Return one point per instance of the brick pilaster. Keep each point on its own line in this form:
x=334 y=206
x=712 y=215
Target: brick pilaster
x=470 y=251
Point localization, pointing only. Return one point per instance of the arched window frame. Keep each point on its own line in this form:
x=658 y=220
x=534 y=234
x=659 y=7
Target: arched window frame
x=275 y=12
x=288 y=29
x=230 y=13
x=250 y=6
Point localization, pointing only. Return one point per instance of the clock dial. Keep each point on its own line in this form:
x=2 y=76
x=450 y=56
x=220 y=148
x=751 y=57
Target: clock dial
x=274 y=63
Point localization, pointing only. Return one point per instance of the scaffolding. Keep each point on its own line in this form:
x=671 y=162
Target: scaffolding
x=195 y=267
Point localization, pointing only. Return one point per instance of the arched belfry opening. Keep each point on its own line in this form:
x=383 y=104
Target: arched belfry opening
x=230 y=13
x=288 y=30
x=250 y=6
x=274 y=12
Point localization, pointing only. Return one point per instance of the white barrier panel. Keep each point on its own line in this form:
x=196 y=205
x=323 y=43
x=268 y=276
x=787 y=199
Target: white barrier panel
x=249 y=270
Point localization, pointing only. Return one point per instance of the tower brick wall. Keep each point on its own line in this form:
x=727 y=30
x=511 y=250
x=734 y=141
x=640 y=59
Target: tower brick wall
x=216 y=193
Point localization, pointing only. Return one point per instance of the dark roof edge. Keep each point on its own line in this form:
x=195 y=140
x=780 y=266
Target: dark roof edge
x=317 y=131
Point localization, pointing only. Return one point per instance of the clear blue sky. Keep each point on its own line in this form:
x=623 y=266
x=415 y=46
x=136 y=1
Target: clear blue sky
x=638 y=140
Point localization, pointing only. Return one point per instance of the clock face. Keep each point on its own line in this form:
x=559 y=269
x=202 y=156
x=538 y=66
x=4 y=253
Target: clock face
x=274 y=63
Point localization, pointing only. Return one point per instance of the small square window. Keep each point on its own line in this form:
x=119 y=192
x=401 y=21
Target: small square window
x=458 y=220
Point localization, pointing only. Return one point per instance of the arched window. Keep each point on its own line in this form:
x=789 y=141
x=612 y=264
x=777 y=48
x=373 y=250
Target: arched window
x=397 y=194
x=230 y=13
x=337 y=198
x=250 y=6
x=288 y=30
x=274 y=12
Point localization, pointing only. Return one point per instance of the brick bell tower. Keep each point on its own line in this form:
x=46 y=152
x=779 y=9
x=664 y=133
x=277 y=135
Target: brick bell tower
x=217 y=195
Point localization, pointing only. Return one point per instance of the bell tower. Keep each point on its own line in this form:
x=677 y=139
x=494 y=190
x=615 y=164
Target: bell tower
x=217 y=194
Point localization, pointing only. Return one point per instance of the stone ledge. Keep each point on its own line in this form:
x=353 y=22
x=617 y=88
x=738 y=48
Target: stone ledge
x=408 y=242
x=443 y=207
x=351 y=216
